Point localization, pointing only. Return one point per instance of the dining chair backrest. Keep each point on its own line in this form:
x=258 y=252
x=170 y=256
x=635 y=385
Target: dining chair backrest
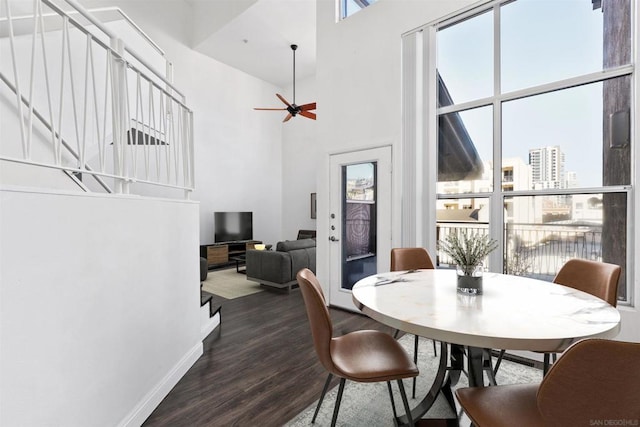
x=596 y=278
x=593 y=381
x=319 y=318
x=410 y=259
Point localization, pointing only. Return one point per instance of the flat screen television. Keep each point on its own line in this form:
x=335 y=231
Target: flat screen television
x=233 y=226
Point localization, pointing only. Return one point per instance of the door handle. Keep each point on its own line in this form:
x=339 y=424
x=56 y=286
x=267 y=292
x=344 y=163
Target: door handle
x=333 y=239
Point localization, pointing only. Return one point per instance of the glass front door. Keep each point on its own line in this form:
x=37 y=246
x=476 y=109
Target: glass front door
x=360 y=219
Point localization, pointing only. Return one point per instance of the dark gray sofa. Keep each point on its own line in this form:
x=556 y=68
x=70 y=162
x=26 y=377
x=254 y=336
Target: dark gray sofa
x=279 y=268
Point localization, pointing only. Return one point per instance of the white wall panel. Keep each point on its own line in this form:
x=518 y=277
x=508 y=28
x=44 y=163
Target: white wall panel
x=358 y=80
x=301 y=158
x=99 y=306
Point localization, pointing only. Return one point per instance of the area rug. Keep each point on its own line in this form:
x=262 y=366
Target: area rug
x=229 y=284
x=368 y=404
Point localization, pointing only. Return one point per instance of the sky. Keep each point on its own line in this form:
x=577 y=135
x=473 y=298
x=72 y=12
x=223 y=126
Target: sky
x=541 y=41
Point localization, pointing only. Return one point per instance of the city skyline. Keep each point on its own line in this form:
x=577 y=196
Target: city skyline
x=571 y=118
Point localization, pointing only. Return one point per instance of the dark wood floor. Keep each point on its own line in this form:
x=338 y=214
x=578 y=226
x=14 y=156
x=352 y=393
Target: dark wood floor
x=259 y=369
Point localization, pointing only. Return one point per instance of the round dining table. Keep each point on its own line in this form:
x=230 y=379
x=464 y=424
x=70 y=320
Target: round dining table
x=512 y=313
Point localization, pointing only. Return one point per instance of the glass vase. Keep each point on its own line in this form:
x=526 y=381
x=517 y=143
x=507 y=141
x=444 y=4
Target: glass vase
x=469 y=280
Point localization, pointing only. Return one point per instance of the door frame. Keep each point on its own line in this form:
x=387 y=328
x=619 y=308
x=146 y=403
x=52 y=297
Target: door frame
x=383 y=155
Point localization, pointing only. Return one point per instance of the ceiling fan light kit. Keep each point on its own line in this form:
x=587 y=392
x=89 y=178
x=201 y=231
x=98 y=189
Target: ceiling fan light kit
x=293 y=109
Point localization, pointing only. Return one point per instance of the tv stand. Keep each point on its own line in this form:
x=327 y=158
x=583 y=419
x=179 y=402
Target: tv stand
x=218 y=254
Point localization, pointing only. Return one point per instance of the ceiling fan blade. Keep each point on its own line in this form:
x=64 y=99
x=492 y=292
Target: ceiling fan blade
x=286 y=119
x=309 y=106
x=270 y=109
x=308 y=114
x=283 y=100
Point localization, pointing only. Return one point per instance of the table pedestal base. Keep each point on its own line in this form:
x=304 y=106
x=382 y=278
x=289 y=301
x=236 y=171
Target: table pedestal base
x=450 y=368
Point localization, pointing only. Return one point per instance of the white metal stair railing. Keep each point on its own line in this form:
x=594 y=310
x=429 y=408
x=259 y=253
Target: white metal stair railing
x=97 y=106
x=69 y=171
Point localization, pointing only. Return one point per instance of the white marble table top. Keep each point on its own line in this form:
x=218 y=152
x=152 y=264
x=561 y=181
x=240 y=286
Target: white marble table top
x=513 y=313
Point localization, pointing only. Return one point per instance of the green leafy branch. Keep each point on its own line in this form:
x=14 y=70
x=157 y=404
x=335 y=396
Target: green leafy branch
x=467 y=249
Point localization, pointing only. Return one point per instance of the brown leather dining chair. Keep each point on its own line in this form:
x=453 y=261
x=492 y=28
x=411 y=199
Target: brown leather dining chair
x=596 y=278
x=412 y=259
x=599 y=279
x=363 y=356
x=594 y=381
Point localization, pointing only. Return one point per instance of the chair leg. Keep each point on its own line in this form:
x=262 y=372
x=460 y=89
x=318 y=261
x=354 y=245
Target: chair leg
x=338 y=399
x=487 y=366
x=396 y=333
x=498 y=362
x=435 y=350
x=545 y=364
x=415 y=360
x=324 y=391
x=393 y=402
x=405 y=402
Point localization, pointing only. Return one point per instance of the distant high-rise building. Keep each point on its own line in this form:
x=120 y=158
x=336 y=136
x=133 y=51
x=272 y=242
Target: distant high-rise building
x=547 y=167
x=572 y=180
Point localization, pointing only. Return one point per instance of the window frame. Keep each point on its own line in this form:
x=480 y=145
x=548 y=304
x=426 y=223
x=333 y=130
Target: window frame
x=497 y=195
x=343 y=10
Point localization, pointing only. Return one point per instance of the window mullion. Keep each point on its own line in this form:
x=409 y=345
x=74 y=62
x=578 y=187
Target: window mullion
x=542 y=89
x=570 y=191
x=497 y=52
x=496 y=218
x=430 y=133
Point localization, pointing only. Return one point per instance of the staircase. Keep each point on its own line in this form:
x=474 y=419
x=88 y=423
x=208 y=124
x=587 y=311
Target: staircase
x=86 y=104
x=134 y=128
x=211 y=314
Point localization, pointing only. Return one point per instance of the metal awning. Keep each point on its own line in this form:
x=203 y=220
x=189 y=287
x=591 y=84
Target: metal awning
x=458 y=158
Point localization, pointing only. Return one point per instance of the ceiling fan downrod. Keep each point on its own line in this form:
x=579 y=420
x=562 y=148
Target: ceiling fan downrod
x=293 y=48
x=305 y=110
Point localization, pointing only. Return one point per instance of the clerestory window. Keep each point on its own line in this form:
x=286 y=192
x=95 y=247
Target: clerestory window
x=349 y=7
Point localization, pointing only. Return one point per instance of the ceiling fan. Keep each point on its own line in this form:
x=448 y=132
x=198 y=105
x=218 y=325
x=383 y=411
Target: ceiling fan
x=293 y=109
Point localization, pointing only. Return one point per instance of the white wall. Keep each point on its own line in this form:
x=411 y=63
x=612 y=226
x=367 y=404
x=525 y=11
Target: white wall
x=211 y=16
x=301 y=152
x=359 y=89
x=99 y=306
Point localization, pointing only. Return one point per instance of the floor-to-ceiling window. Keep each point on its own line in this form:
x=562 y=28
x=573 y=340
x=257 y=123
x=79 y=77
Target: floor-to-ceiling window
x=533 y=131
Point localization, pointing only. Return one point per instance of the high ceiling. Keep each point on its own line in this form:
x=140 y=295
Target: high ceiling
x=255 y=36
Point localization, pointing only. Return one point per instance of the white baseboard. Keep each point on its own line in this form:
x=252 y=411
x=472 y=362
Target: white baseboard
x=151 y=401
